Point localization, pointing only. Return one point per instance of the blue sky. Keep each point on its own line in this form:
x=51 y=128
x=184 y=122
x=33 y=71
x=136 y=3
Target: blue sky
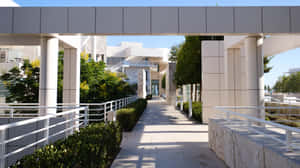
x=281 y=63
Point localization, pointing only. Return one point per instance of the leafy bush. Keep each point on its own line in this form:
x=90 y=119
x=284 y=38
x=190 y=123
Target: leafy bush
x=196 y=108
x=93 y=147
x=129 y=116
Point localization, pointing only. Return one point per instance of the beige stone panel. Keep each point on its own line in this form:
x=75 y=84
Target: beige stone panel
x=210 y=98
x=210 y=65
x=210 y=48
x=211 y=82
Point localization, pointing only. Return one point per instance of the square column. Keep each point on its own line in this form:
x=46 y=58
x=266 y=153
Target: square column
x=212 y=54
x=71 y=81
x=142 y=84
x=255 y=72
x=48 y=75
x=170 y=84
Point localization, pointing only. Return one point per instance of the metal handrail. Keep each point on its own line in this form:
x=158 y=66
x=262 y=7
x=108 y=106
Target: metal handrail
x=74 y=120
x=250 y=120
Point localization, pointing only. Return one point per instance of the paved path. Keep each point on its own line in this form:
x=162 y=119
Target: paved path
x=165 y=138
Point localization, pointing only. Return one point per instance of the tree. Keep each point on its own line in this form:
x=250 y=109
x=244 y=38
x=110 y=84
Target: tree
x=97 y=84
x=188 y=67
x=266 y=62
x=288 y=84
x=22 y=83
x=173 y=52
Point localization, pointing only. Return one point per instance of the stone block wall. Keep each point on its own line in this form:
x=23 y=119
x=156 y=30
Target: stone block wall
x=242 y=149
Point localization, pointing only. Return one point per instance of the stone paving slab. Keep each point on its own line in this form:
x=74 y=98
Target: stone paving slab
x=165 y=138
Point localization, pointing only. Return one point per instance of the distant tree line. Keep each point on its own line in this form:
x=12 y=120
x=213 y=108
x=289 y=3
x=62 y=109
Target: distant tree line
x=288 y=84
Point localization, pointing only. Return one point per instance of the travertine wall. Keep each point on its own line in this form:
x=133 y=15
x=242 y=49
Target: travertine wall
x=212 y=77
x=241 y=149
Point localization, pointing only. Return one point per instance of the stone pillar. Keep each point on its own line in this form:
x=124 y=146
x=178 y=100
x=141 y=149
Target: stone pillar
x=71 y=84
x=255 y=71
x=71 y=81
x=212 y=78
x=142 y=84
x=48 y=74
x=170 y=84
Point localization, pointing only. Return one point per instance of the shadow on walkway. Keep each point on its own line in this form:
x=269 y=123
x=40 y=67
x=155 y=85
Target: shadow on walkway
x=165 y=138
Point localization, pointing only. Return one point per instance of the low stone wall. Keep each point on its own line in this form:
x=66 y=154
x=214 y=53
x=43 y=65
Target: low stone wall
x=20 y=130
x=242 y=149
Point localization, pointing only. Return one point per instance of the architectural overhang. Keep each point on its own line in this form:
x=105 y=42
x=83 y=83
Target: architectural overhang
x=149 y=20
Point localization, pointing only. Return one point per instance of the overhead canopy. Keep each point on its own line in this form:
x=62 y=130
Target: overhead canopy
x=149 y=20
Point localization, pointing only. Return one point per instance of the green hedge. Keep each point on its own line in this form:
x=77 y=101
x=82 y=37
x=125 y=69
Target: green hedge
x=196 y=108
x=94 y=146
x=128 y=117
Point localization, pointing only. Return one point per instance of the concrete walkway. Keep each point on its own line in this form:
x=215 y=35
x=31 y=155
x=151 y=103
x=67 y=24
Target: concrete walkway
x=165 y=138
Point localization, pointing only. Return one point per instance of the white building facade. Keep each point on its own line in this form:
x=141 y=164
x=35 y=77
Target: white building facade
x=134 y=60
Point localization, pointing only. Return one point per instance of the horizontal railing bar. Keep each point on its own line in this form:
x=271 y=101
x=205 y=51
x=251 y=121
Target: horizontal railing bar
x=35 y=143
x=262 y=121
x=253 y=107
x=2 y=127
x=40 y=130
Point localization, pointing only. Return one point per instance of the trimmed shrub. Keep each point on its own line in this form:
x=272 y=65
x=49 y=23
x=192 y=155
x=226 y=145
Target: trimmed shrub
x=129 y=116
x=94 y=146
x=196 y=108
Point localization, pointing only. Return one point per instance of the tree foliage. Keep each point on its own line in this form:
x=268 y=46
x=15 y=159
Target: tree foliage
x=173 y=52
x=188 y=68
x=97 y=84
x=266 y=62
x=22 y=83
x=288 y=84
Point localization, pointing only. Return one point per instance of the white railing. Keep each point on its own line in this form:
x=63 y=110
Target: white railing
x=102 y=110
x=63 y=121
x=289 y=136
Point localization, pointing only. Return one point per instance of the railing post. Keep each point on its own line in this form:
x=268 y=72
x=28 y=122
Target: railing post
x=190 y=108
x=288 y=139
x=115 y=112
x=46 y=132
x=227 y=116
x=105 y=113
x=86 y=119
x=2 y=148
x=11 y=113
x=181 y=104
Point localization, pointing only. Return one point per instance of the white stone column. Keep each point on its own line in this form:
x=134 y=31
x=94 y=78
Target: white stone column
x=170 y=84
x=48 y=74
x=142 y=84
x=255 y=72
x=71 y=81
